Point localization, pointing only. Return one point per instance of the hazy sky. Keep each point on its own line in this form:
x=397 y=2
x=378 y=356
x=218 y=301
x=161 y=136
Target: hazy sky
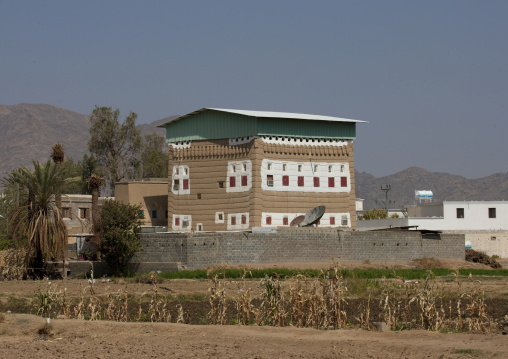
x=430 y=77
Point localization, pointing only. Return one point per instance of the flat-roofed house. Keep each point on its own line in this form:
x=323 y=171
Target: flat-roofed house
x=236 y=169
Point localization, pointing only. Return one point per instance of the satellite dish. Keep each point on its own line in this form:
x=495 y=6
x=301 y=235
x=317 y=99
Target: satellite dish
x=313 y=216
x=296 y=221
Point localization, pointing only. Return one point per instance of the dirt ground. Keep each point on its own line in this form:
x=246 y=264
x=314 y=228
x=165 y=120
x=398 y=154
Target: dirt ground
x=25 y=336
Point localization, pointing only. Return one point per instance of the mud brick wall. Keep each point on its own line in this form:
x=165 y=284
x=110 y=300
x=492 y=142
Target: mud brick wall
x=198 y=250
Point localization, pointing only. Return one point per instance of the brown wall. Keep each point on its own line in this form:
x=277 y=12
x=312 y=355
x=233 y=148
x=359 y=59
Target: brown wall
x=208 y=161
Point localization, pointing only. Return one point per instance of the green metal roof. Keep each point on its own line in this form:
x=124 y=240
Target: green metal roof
x=213 y=123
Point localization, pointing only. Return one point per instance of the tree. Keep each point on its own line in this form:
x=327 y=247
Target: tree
x=115 y=145
x=36 y=221
x=154 y=157
x=58 y=156
x=376 y=213
x=120 y=226
x=94 y=184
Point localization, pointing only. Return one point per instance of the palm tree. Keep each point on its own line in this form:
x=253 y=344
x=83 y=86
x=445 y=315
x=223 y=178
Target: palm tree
x=37 y=219
x=58 y=156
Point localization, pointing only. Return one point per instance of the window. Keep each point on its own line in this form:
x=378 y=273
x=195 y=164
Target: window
x=220 y=216
x=460 y=212
x=269 y=180
x=221 y=184
x=269 y=166
x=185 y=222
x=244 y=219
x=232 y=181
x=269 y=220
x=285 y=221
x=315 y=168
x=199 y=227
x=233 y=168
x=67 y=212
x=284 y=167
x=492 y=213
x=301 y=181
x=233 y=220
x=199 y=195
x=285 y=180
x=343 y=181
x=332 y=221
x=330 y=168
x=316 y=181
x=186 y=183
x=154 y=214
x=84 y=213
x=331 y=181
x=244 y=181
x=166 y=213
x=244 y=167
x=177 y=221
x=142 y=213
x=177 y=171
x=344 y=221
x=186 y=171
x=299 y=168
x=176 y=185
x=342 y=168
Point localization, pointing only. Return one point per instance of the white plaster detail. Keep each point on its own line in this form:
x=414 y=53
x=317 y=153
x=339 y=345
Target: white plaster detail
x=240 y=140
x=180 y=179
x=304 y=141
x=278 y=219
x=219 y=217
x=180 y=144
x=308 y=170
x=239 y=170
x=238 y=221
x=182 y=222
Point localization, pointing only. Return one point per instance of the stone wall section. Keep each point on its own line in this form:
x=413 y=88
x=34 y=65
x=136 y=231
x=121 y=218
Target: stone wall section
x=199 y=250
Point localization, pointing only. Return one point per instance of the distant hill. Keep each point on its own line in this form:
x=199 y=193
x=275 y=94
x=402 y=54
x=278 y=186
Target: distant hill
x=28 y=131
x=445 y=186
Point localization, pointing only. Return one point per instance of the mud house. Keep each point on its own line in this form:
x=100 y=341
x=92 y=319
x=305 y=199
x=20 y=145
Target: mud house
x=235 y=169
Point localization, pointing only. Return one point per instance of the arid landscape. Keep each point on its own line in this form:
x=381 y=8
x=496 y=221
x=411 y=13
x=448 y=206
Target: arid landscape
x=182 y=310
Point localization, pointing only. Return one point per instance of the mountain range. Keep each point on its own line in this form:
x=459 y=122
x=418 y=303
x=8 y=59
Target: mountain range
x=30 y=130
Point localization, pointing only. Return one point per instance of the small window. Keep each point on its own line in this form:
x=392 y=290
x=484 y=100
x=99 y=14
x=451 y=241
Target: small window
x=460 y=212
x=299 y=168
x=492 y=213
x=244 y=167
x=332 y=221
x=186 y=171
x=284 y=167
x=285 y=221
x=177 y=171
x=269 y=220
x=199 y=227
x=315 y=168
x=176 y=185
x=330 y=168
x=221 y=184
x=84 y=213
x=220 y=216
x=244 y=219
x=244 y=181
x=154 y=214
x=142 y=214
x=316 y=181
x=269 y=180
x=186 y=183
x=233 y=168
x=331 y=181
x=342 y=168
x=167 y=213
x=344 y=221
x=185 y=222
x=199 y=196
x=269 y=166
x=177 y=221
x=232 y=181
x=285 y=180
x=343 y=181
x=233 y=220
x=67 y=213
x=301 y=181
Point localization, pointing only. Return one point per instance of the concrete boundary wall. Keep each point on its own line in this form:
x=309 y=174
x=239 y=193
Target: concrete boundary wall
x=199 y=250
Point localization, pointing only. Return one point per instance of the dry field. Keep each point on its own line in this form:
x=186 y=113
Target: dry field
x=189 y=303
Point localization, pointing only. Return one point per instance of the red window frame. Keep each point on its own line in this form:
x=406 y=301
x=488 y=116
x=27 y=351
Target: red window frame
x=269 y=220
x=301 y=181
x=244 y=181
x=186 y=183
x=177 y=221
x=331 y=181
x=285 y=221
x=316 y=181
x=232 y=181
x=343 y=181
x=233 y=220
x=332 y=221
x=285 y=180
x=244 y=219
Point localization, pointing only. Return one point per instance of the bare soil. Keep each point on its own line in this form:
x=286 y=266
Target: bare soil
x=28 y=336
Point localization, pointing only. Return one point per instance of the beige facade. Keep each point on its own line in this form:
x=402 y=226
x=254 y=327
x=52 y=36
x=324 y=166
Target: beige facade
x=237 y=184
x=76 y=211
x=151 y=194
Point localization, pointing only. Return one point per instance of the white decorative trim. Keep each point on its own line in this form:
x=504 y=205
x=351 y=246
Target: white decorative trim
x=274 y=169
x=180 y=173
x=239 y=169
x=278 y=219
x=218 y=217
x=180 y=144
x=238 y=224
x=185 y=222
x=304 y=141
x=240 y=140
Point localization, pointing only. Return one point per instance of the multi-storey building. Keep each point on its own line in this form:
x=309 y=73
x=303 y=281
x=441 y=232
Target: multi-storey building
x=234 y=169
